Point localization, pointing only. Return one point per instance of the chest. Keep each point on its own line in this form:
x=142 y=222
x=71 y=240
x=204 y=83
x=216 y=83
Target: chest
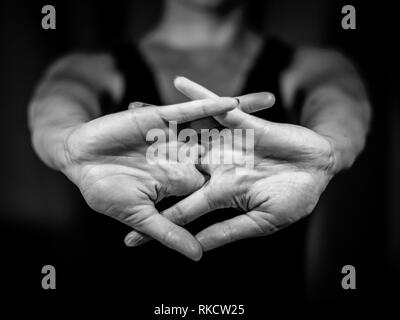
x=223 y=72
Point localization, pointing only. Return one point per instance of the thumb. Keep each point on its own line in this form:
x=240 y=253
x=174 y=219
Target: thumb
x=192 y=207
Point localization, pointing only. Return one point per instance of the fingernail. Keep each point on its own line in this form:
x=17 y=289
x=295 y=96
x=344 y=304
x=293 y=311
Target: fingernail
x=197 y=257
x=271 y=96
x=177 y=77
x=197 y=252
x=130 y=242
x=141 y=104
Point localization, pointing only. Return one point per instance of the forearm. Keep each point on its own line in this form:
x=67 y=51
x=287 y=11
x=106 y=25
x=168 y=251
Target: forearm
x=335 y=103
x=51 y=118
x=67 y=97
x=341 y=116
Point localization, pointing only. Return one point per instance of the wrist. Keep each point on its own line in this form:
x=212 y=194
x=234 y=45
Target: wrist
x=343 y=152
x=49 y=142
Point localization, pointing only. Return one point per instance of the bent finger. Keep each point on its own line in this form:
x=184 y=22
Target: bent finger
x=138 y=104
x=168 y=233
x=181 y=213
x=237 y=228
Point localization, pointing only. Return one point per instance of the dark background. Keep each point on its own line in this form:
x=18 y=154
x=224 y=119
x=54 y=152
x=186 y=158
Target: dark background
x=357 y=221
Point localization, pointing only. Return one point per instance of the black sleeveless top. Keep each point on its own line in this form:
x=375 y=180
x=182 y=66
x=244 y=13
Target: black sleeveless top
x=241 y=272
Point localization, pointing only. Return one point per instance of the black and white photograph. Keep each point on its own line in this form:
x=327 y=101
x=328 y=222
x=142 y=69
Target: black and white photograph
x=200 y=159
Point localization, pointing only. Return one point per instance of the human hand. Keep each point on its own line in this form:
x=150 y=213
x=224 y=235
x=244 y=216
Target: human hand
x=106 y=159
x=292 y=166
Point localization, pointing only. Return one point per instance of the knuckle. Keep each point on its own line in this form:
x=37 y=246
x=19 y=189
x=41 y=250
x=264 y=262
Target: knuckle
x=330 y=158
x=266 y=227
x=264 y=224
x=137 y=216
x=169 y=235
x=327 y=156
x=226 y=233
x=203 y=107
x=74 y=144
x=94 y=196
x=81 y=144
x=210 y=200
x=178 y=216
x=162 y=114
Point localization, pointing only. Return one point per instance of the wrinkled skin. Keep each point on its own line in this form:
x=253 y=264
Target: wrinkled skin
x=106 y=159
x=292 y=166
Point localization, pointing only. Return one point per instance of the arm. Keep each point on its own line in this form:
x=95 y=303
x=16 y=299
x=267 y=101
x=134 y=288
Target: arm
x=106 y=157
x=335 y=104
x=67 y=96
x=292 y=164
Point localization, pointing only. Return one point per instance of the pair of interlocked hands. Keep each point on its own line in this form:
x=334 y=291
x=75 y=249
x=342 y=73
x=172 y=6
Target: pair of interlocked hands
x=106 y=159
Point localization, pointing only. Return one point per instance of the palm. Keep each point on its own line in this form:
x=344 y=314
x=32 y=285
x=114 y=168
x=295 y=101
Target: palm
x=292 y=166
x=119 y=186
x=278 y=191
x=116 y=176
x=110 y=165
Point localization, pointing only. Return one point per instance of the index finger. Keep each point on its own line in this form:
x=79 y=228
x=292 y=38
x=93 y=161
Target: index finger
x=249 y=103
x=181 y=213
x=193 y=110
x=171 y=235
x=237 y=228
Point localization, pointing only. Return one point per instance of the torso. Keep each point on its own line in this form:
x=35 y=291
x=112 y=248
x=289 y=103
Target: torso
x=222 y=69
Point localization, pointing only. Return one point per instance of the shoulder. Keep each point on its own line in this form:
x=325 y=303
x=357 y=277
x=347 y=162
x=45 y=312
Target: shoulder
x=314 y=58
x=97 y=68
x=309 y=64
x=84 y=62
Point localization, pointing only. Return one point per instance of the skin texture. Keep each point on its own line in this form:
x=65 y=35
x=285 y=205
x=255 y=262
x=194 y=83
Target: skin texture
x=106 y=159
x=292 y=167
